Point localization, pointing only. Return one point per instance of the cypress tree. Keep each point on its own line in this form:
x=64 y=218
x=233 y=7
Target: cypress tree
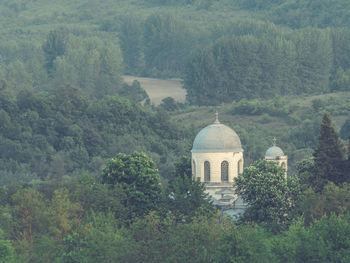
x=329 y=156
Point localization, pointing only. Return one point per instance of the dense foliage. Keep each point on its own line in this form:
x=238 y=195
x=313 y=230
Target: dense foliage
x=185 y=196
x=64 y=111
x=86 y=220
x=261 y=62
x=270 y=195
x=57 y=225
x=50 y=135
x=230 y=52
x=137 y=175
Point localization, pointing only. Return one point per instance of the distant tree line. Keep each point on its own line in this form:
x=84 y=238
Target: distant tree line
x=220 y=62
x=158 y=45
x=262 y=62
x=315 y=13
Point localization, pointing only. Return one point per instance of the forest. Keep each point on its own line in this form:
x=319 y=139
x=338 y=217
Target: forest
x=92 y=171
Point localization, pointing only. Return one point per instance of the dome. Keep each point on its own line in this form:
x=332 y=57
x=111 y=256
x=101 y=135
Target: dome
x=274 y=151
x=217 y=137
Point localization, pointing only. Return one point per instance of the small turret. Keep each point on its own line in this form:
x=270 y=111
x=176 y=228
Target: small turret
x=275 y=154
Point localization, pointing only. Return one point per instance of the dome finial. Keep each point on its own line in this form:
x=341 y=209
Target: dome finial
x=274 y=141
x=216 y=118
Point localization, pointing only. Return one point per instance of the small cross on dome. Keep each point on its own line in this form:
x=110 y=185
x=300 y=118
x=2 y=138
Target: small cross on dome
x=274 y=141
x=216 y=117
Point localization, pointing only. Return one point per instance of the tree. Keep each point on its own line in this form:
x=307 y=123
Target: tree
x=54 y=46
x=133 y=92
x=269 y=194
x=327 y=240
x=167 y=42
x=169 y=104
x=99 y=197
x=138 y=176
x=344 y=132
x=65 y=216
x=243 y=243
x=306 y=172
x=200 y=76
x=240 y=67
x=158 y=239
x=346 y=165
x=341 y=80
x=30 y=225
x=183 y=167
x=131 y=42
x=332 y=200
x=6 y=250
x=341 y=48
x=185 y=196
x=329 y=156
x=99 y=240
x=91 y=64
x=29 y=215
x=314 y=60
x=70 y=100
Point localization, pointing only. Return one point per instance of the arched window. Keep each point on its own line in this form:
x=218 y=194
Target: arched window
x=206 y=171
x=239 y=167
x=224 y=171
x=193 y=168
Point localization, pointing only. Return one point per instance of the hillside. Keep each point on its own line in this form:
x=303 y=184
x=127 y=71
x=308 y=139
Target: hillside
x=294 y=121
x=224 y=50
x=236 y=55
x=100 y=101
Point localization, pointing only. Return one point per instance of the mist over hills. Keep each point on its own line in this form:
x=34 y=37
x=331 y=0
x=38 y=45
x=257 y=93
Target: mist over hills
x=96 y=167
x=231 y=52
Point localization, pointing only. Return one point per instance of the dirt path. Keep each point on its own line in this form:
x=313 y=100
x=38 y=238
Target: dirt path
x=158 y=89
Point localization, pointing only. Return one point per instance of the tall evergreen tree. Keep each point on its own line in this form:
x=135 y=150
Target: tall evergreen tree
x=329 y=156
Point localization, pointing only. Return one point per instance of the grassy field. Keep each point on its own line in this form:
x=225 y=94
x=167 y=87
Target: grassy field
x=337 y=104
x=158 y=89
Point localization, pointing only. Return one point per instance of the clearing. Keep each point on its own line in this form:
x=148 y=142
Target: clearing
x=158 y=89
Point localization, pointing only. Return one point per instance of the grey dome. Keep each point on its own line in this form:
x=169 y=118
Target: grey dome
x=217 y=137
x=274 y=151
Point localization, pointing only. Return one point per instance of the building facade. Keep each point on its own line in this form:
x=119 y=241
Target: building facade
x=217 y=158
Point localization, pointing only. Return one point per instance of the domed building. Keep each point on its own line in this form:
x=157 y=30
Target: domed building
x=217 y=158
x=275 y=154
